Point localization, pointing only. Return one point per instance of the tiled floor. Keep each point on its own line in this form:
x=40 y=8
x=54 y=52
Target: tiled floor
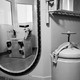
x=16 y=64
x=6 y=78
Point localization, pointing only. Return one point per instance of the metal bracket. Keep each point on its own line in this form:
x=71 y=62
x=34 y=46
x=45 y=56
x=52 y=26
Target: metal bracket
x=55 y=58
x=55 y=54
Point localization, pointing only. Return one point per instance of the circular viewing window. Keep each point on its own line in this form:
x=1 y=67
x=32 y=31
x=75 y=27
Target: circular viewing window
x=20 y=46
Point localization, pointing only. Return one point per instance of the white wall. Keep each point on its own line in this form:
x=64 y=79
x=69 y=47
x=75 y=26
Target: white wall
x=5 y=12
x=5 y=23
x=43 y=69
x=61 y=24
x=44 y=66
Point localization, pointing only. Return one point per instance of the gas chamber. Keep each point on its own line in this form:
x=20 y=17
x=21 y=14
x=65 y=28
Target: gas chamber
x=66 y=60
x=19 y=41
x=20 y=36
x=17 y=52
x=16 y=40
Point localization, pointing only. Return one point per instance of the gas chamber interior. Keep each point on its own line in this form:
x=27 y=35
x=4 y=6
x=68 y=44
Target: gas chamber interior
x=19 y=39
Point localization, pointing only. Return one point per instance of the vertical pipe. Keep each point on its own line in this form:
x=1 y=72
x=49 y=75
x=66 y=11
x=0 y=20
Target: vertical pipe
x=14 y=13
x=71 y=4
x=47 y=12
x=58 y=4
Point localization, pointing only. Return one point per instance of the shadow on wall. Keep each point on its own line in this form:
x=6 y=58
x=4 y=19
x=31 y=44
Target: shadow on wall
x=60 y=24
x=33 y=41
x=57 y=18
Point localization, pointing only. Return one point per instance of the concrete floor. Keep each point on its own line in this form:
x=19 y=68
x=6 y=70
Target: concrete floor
x=16 y=64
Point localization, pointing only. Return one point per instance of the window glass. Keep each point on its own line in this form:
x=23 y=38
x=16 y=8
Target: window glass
x=24 y=13
x=5 y=13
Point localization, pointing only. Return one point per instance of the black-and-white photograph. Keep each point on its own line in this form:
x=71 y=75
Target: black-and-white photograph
x=39 y=39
